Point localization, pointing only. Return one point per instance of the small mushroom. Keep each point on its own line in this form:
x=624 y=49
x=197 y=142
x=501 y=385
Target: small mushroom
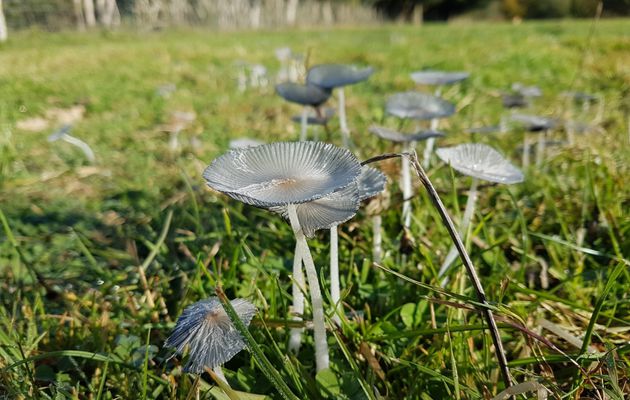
x=479 y=161
x=179 y=120
x=286 y=174
x=207 y=331
x=336 y=76
x=304 y=95
x=319 y=118
x=63 y=133
x=534 y=123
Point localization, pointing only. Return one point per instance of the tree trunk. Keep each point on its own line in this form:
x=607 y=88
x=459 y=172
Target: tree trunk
x=292 y=6
x=88 y=11
x=255 y=13
x=418 y=14
x=78 y=14
x=327 y=12
x=3 y=25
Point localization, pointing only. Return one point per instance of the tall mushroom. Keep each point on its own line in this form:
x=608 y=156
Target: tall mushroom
x=287 y=174
x=332 y=76
x=538 y=124
x=438 y=79
x=479 y=161
x=305 y=95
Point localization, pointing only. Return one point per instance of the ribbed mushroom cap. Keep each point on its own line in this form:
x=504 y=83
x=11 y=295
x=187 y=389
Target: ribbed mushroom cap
x=395 y=136
x=326 y=212
x=306 y=95
x=480 y=161
x=282 y=173
x=371 y=182
x=330 y=76
x=431 y=77
x=243 y=143
x=533 y=123
x=417 y=105
x=206 y=329
x=314 y=119
x=59 y=133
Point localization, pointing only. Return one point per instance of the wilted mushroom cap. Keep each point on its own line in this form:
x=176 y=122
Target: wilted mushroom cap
x=326 y=212
x=430 y=77
x=395 y=136
x=533 y=123
x=314 y=119
x=417 y=105
x=242 y=143
x=282 y=173
x=206 y=329
x=330 y=76
x=480 y=161
x=59 y=133
x=306 y=95
x=371 y=182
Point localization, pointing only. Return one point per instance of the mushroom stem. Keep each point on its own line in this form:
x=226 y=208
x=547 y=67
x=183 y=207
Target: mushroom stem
x=218 y=371
x=335 y=291
x=343 y=123
x=173 y=142
x=469 y=211
x=319 y=327
x=540 y=147
x=85 y=148
x=377 y=238
x=428 y=149
x=304 y=124
x=526 y=145
x=407 y=191
x=298 y=289
x=470 y=269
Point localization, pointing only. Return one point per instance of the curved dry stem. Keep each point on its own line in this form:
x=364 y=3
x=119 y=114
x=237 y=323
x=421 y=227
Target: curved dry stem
x=85 y=148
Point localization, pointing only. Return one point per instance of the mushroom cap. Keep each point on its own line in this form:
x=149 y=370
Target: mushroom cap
x=432 y=77
x=371 y=182
x=326 y=212
x=282 y=173
x=527 y=91
x=533 y=123
x=330 y=76
x=580 y=96
x=514 y=100
x=417 y=105
x=484 y=129
x=243 y=143
x=209 y=333
x=59 y=133
x=395 y=136
x=314 y=119
x=480 y=161
x=306 y=95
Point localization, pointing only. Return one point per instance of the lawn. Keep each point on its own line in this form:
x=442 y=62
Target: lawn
x=97 y=261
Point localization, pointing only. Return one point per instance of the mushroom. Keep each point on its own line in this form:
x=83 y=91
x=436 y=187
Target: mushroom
x=418 y=106
x=371 y=183
x=319 y=118
x=439 y=79
x=287 y=174
x=179 y=120
x=534 y=123
x=585 y=100
x=305 y=95
x=332 y=76
x=243 y=143
x=206 y=329
x=63 y=133
x=479 y=161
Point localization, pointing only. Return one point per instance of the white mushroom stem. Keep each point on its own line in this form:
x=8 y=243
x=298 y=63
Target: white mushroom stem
x=304 y=124
x=343 y=123
x=526 y=145
x=407 y=190
x=298 y=289
x=218 y=371
x=335 y=291
x=469 y=211
x=173 y=142
x=540 y=147
x=428 y=149
x=85 y=148
x=321 y=346
x=377 y=238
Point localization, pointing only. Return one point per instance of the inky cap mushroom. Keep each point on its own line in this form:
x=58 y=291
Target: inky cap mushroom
x=533 y=123
x=430 y=77
x=417 y=105
x=371 y=182
x=315 y=119
x=330 y=76
x=395 y=136
x=480 y=161
x=306 y=95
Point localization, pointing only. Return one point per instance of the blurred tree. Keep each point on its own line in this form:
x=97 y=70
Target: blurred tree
x=431 y=9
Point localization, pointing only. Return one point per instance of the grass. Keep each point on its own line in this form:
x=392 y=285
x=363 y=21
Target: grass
x=97 y=262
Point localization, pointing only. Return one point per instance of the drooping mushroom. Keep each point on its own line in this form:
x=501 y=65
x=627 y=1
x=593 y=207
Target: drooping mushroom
x=287 y=174
x=63 y=133
x=336 y=76
x=207 y=331
x=479 y=161
x=305 y=95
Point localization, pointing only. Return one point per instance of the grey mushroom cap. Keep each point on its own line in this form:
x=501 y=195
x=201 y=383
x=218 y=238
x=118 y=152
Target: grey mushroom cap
x=330 y=76
x=282 y=173
x=534 y=123
x=431 y=77
x=395 y=136
x=527 y=91
x=59 y=133
x=314 y=119
x=306 y=95
x=417 y=105
x=326 y=212
x=243 y=143
x=206 y=329
x=514 y=100
x=480 y=161
x=371 y=182
x=580 y=96
x=484 y=129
